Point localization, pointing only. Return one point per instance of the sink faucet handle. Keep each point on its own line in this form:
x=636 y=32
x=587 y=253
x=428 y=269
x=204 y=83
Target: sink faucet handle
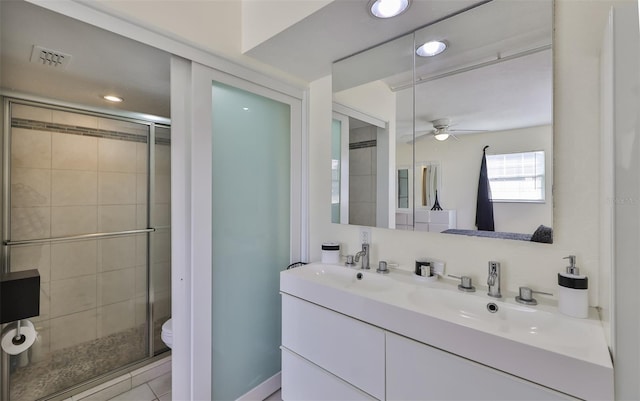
x=525 y=296
x=350 y=261
x=382 y=267
x=466 y=284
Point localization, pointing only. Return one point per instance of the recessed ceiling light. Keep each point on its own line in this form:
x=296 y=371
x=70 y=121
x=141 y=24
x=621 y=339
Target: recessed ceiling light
x=388 y=8
x=245 y=108
x=431 y=48
x=113 y=98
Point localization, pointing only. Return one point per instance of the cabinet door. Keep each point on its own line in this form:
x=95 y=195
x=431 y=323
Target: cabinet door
x=416 y=371
x=348 y=348
x=303 y=381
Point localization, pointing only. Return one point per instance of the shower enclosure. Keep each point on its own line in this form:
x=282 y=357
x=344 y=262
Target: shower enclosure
x=86 y=201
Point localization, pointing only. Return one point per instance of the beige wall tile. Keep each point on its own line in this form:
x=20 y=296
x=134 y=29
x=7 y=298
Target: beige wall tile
x=75 y=119
x=45 y=305
x=161 y=275
x=141 y=310
x=142 y=184
x=117 y=253
x=117 y=156
x=141 y=281
x=117 y=188
x=73 y=329
x=42 y=350
x=72 y=259
x=30 y=148
x=72 y=220
x=116 y=218
x=74 y=152
x=73 y=187
x=73 y=295
x=30 y=223
x=27 y=257
x=115 y=318
x=142 y=157
x=30 y=187
x=141 y=217
x=141 y=249
x=163 y=189
x=161 y=246
x=31 y=112
x=163 y=160
x=116 y=286
x=162 y=215
x=111 y=124
x=161 y=305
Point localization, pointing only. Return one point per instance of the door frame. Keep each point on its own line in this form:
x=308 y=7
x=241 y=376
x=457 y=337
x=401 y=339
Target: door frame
x=192 y=214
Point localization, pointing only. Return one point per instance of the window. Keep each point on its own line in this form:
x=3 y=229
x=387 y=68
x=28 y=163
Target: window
x=516 y=177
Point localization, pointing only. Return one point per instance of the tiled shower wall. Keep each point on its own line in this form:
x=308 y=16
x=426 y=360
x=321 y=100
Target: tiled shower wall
x=75 y=174
x=362 y=175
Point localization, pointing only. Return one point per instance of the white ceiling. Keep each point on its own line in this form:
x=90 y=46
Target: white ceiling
x=495 y=75
x=102 y=62
x=342 y=28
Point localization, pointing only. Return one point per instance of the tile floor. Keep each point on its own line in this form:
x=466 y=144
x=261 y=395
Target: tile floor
x=158 y=389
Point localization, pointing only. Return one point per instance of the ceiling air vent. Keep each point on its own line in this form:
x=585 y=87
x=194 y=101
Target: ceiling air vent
x=48 y=57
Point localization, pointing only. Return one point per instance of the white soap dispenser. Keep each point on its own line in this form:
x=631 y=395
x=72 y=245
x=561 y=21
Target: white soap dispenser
x=573 y=299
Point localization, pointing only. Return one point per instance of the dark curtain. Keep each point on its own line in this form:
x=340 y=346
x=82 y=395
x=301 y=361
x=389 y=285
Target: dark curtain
x=484 y=206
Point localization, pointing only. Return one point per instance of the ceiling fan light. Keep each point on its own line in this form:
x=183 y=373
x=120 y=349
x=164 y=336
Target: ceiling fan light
x=432 y=48
x=443 y=136
x=388 y=8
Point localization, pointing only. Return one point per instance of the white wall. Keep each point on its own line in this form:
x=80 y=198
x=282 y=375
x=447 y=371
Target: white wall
x=460 y=166
x=210 y=25
x=262 y=19
x=579 y=25
x=626 y=127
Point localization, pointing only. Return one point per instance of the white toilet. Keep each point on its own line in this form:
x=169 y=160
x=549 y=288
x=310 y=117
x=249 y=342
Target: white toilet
x=167 y=333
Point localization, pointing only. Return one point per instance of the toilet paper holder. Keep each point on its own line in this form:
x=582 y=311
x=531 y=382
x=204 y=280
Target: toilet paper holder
x=19 y=295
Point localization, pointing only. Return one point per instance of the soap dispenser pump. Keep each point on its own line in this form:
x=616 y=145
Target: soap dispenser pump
x=573 y=299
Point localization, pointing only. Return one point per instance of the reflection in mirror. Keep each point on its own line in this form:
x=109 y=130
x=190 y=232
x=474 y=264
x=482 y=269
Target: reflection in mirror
x=492 y=86
x=360 y=169
x=403 y=188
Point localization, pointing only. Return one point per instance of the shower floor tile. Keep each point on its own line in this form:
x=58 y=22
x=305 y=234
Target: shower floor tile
x=70 y=366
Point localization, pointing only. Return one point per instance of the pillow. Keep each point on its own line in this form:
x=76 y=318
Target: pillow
x=543 y=234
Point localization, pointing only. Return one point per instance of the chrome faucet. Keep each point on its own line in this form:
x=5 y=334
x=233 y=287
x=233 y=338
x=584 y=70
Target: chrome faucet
x=493 y=281
x=365 y=256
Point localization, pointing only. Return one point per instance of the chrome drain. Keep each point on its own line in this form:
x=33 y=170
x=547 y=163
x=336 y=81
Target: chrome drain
x=492 y=308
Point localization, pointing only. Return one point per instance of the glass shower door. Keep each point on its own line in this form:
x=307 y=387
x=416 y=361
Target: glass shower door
x=73 y=178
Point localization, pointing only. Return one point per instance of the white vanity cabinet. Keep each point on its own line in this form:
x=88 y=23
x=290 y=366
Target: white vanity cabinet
x=329 y=356
x=416 y=371
x=332 y=350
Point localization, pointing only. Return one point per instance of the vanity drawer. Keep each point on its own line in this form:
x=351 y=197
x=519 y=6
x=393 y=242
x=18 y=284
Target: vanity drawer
x=416 y=371
x=302 y=380
x=348 y=348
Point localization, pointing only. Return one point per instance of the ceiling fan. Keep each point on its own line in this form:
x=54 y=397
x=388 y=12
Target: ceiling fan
x=441 y=131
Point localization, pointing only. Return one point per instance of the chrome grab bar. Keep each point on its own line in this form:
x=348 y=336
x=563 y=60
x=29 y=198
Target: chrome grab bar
x=79 y=237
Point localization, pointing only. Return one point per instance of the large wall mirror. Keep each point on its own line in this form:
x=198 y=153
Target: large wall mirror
x=410 y=131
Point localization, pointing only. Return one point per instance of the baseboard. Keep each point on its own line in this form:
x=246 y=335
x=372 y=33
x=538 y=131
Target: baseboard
x=264 y=389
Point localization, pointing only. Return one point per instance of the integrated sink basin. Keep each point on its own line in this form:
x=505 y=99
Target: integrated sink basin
x=348 y=278
x=536 y=343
